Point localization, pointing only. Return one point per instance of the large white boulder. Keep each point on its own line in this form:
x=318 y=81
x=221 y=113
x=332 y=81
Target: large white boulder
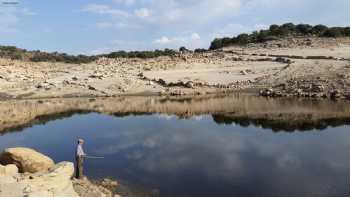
x=26 y=159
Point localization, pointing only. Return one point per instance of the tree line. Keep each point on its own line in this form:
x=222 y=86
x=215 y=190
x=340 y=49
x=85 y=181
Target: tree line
x=281 y=31
x=12 y=52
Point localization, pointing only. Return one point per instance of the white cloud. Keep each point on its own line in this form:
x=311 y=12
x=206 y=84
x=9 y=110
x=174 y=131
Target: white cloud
x=230 y=30
x=27 y=12
x=142 y=13
x=195 y=36
x=125 y=2
x=117 y=25
x=8 y=19
x=104 y=9
x=104 y=25
x=10 y=16
x=117 y=45
x=192 y=41
x=234 y=29
x=185 y=12
x=163 y=40
x=163 y=12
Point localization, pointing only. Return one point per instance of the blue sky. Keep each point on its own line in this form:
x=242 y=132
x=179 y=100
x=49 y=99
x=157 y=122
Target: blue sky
x=90 y=27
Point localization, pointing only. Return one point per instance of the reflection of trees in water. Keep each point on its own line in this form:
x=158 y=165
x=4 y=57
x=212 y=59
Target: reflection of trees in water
x=277 y=125
x=125 y=114
x=281 y=124
x=282 y=114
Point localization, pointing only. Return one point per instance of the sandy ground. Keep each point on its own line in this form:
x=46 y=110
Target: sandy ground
x=297 y=65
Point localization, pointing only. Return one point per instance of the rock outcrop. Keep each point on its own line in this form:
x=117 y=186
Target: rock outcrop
x=56 y=182
x=27 y=160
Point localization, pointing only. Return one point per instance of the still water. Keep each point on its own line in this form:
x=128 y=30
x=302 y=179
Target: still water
x=201 y=155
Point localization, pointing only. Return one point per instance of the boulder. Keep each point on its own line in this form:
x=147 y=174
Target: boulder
x=189 y=84
x=243 y=72
x=267 y=92
x=26 y=159
x=334 y=94
x=54 y=183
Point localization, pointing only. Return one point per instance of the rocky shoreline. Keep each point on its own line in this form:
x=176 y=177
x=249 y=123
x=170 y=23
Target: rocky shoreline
x=26 y=172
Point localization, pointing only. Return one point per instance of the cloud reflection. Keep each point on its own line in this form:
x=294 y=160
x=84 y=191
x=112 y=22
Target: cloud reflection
x=233 y=154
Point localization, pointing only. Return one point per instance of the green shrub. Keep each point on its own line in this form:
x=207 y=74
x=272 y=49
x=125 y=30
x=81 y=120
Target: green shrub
x=346 y=31
x=242 y=39
x=200 y=50
x=216 y=44
x=304 y=29
x=319 y=29
x=333 y=32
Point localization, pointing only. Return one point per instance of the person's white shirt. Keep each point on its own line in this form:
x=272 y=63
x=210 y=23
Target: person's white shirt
x=80 y=152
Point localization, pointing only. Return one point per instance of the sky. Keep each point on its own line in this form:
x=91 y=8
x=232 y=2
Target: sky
x=94 y=27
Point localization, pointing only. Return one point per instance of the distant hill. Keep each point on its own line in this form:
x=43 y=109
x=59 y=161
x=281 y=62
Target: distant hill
x=280 y=31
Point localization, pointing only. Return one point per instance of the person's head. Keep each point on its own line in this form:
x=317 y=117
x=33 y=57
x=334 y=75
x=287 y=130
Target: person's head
x=80 y=141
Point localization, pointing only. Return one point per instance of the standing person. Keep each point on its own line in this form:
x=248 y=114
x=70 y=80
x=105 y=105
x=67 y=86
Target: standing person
x=79 y=156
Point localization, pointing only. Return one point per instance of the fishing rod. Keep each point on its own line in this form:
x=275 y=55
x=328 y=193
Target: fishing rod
x=93 y=157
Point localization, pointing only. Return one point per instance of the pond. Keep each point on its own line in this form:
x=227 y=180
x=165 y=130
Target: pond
x=177 y=147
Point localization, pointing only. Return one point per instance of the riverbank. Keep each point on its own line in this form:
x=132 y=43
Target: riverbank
x=296 y=67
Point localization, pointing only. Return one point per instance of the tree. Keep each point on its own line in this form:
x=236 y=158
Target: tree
x=333 y=32
x=346 y=31
x=243 y=39
x=274 y=28
x=289 y=26
x=303 y=29
x=216 y=44
x=183 y=49
x=319 y=29
x=200 y=50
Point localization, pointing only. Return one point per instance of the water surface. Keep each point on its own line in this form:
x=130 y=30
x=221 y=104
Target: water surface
x=219 y=154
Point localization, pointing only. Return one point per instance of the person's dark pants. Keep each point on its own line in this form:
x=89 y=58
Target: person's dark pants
x=79 y=167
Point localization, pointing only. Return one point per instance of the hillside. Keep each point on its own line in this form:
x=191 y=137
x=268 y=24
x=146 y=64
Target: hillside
x=276 y=32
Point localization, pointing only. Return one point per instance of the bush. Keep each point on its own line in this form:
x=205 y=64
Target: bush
x=319 y=29
x=200 y=50
x=333 y=32
x=304 y=29
x=346 y=31
x=183 y=49
x=216 y=44
x=289 y=26
x=242 y=39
